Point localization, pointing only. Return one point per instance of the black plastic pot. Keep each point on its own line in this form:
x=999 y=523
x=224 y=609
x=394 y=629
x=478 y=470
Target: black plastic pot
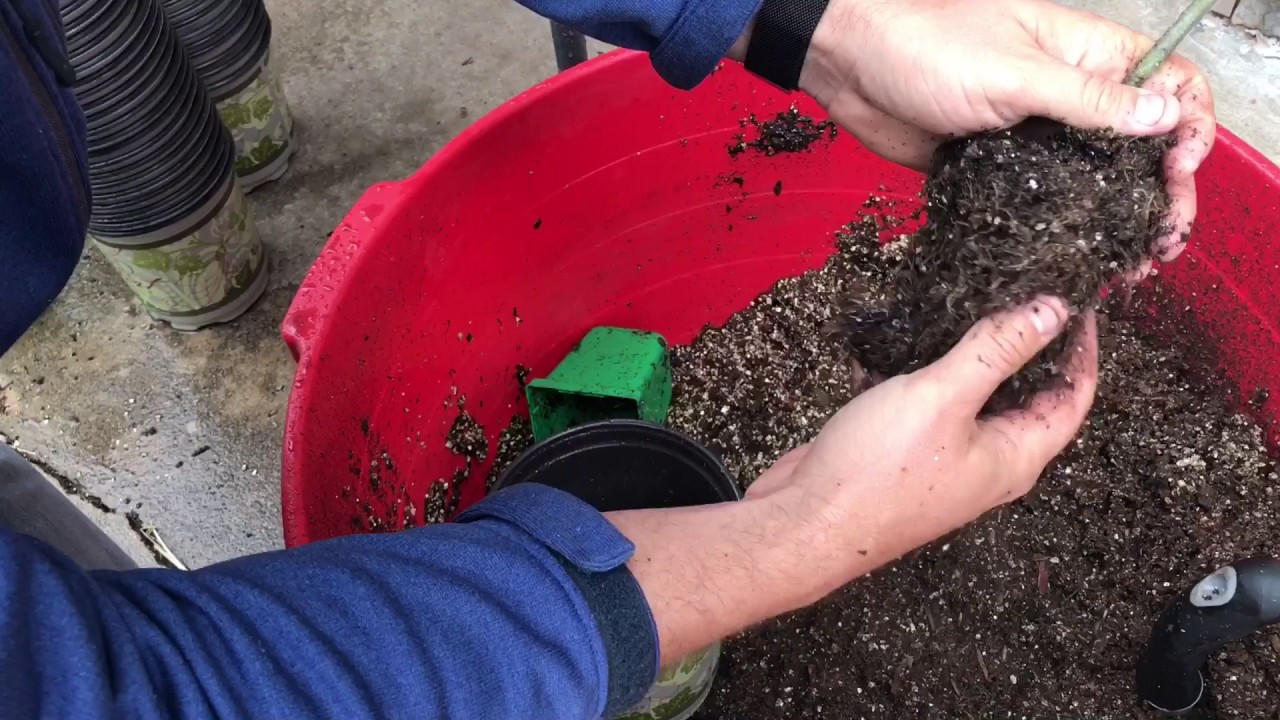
x=183 y=187
x=114 y=108
x=1229 y=605
x=225 y=78
x=179 y=109
x=104 y=27
x=160 y=116
x=626 y=465
x=83 y=12
x=224 y=168
x=182 y=176
x=157 y=148
x=224 y=38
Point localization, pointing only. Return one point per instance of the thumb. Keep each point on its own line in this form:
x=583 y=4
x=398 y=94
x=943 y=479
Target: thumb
x=1076 y=97
x=1024 y=442
x=997 y=347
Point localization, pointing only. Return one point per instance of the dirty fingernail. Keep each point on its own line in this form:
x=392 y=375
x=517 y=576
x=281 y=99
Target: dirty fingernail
x=1171 y=248
x=1149 y=110
x=1045 y=318
x=1139 y=273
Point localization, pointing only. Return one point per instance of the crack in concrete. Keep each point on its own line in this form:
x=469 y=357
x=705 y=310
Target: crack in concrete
x=73 y=487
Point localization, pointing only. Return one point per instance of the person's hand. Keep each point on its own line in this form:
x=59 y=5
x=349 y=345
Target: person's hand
x=902 y=75
x=912 y=460
x=903 y=464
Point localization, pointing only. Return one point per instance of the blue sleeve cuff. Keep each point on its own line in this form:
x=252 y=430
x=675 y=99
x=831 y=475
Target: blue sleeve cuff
x=594 y=555
x=700 y=38
x=568 y=526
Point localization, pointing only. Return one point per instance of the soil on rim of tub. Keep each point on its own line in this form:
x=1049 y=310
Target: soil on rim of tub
x=1011 y=218
x=1041 y=608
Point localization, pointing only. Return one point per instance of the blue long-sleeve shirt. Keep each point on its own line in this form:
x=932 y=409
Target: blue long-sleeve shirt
x=685 y=39
x=522 y=609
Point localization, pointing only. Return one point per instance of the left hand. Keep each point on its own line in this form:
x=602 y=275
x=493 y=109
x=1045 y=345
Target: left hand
x=904 y=75
x=912 y=460
x=900 y=466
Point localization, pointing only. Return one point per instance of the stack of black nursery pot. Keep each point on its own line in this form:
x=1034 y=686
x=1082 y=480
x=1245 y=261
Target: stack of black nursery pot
x=168 y=212
x=229 y=42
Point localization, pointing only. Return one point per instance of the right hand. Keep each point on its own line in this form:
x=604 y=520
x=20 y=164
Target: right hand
x=902 y=76
x=911 y=459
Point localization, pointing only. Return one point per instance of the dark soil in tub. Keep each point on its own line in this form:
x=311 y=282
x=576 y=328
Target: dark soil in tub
x=788 y=132
x=512 y=441
x=1040 y=609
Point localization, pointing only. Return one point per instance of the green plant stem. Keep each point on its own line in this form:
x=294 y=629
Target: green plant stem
x=1170 y=41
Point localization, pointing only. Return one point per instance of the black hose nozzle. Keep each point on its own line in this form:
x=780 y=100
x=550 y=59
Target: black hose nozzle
x=1229 y=605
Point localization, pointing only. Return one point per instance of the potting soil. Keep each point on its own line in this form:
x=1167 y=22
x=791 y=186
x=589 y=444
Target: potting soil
x=788 y=132
x=512 y=441
x=1038 y=610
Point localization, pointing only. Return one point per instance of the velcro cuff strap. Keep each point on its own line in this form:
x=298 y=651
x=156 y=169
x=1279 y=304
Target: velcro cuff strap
x=780 y=40
x=570 y=527
x=594 y=555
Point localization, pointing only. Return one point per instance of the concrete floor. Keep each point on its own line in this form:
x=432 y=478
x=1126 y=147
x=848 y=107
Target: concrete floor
x=185 y=430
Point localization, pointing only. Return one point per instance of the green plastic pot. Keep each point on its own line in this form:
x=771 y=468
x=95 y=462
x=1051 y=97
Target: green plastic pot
x=613 y=374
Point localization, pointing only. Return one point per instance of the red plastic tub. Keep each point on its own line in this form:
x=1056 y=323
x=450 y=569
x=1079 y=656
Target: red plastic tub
x=605 y=197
